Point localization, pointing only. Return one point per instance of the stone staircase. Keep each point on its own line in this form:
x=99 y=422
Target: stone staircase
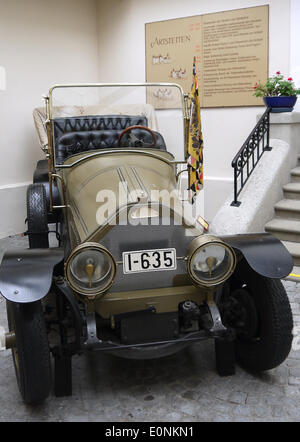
x=286 y=224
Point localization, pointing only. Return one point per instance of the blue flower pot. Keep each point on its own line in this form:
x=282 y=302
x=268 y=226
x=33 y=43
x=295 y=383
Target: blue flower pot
x=281 y=104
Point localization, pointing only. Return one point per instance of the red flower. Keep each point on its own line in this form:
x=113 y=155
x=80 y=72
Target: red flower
x=290 y=79
x=278 y=72
x=255 y=87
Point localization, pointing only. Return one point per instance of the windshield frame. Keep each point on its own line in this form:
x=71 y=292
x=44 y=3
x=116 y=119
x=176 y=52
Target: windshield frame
x=53 y=167
x=49 y=110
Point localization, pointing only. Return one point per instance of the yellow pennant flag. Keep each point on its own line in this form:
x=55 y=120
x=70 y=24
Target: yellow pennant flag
x=195 y=141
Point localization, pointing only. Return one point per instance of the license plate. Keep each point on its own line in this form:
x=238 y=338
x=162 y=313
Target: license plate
x=149 y=260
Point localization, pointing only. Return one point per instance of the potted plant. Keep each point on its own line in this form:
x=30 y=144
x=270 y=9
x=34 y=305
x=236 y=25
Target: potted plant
x=278 y=94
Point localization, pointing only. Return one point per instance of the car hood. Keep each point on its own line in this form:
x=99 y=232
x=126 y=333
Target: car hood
x=99 y=187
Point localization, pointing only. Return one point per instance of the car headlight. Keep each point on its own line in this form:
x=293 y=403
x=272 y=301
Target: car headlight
x=90 y=269
x=210 y=261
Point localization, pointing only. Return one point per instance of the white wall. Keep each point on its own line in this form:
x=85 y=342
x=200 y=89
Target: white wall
x=122 y=58
x=295 y=38
x=41 y=43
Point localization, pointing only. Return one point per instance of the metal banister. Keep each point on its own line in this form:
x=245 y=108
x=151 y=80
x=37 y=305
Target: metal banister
x=250 y=153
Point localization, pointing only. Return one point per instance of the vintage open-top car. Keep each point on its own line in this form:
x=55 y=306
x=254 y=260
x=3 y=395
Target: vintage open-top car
x=133 y=272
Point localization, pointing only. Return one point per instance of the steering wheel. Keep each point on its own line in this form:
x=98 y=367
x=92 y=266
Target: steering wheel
x=130 y=128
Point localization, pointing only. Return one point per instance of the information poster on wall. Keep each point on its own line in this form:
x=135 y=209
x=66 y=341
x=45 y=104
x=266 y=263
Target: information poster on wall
x=231 y=50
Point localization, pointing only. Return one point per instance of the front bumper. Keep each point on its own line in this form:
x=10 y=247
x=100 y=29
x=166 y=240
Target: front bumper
x=155 y=348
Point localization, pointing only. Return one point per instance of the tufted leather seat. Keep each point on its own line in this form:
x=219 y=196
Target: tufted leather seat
x=80 y=134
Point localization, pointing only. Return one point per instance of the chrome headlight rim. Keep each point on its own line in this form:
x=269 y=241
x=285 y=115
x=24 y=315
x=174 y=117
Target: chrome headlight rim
x=203 y=241
x=86 y=247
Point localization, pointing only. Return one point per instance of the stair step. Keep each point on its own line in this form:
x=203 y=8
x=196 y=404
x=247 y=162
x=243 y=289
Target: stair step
x=284 y=229
x=295 y=174
x=294 y=275
x=288 y=208
x=294 y=249
x=292 y=191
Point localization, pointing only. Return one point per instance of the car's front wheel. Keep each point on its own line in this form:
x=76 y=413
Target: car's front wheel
x=259 y=310
x=30 y=352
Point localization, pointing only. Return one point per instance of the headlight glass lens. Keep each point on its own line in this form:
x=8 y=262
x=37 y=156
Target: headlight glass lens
x=90 y=270
x=211 y=263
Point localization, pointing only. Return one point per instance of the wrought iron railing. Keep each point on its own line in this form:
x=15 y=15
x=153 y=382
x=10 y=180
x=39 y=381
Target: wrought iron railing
x=250 y=153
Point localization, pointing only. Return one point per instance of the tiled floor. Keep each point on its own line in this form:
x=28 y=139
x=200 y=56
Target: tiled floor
x=179 y=388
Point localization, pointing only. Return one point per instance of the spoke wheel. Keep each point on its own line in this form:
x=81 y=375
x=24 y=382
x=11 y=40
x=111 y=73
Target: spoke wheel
x=239 y=312
x=259 y=310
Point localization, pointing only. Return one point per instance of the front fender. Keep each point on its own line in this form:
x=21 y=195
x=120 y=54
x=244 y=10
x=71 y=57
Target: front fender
x=26 y=274
x=264 y=253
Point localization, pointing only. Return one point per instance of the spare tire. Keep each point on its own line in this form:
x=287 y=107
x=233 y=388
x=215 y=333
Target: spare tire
x=37 y=216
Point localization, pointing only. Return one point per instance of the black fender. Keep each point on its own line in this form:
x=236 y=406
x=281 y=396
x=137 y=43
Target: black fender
x=264 y=253
x=26 y=274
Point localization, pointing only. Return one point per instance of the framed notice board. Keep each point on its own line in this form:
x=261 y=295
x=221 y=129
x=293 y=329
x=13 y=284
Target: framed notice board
x=231 y=50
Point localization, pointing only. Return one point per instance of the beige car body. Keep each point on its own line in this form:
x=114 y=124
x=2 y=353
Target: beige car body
x=144 y=174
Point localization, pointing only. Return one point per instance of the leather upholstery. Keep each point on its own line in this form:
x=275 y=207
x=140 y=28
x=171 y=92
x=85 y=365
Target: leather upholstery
x=92 y=123
x=80 y=134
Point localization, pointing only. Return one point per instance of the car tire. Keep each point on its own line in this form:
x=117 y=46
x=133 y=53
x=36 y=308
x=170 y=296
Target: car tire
x=37 y=214
x=271 y=342
x=31 y=353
